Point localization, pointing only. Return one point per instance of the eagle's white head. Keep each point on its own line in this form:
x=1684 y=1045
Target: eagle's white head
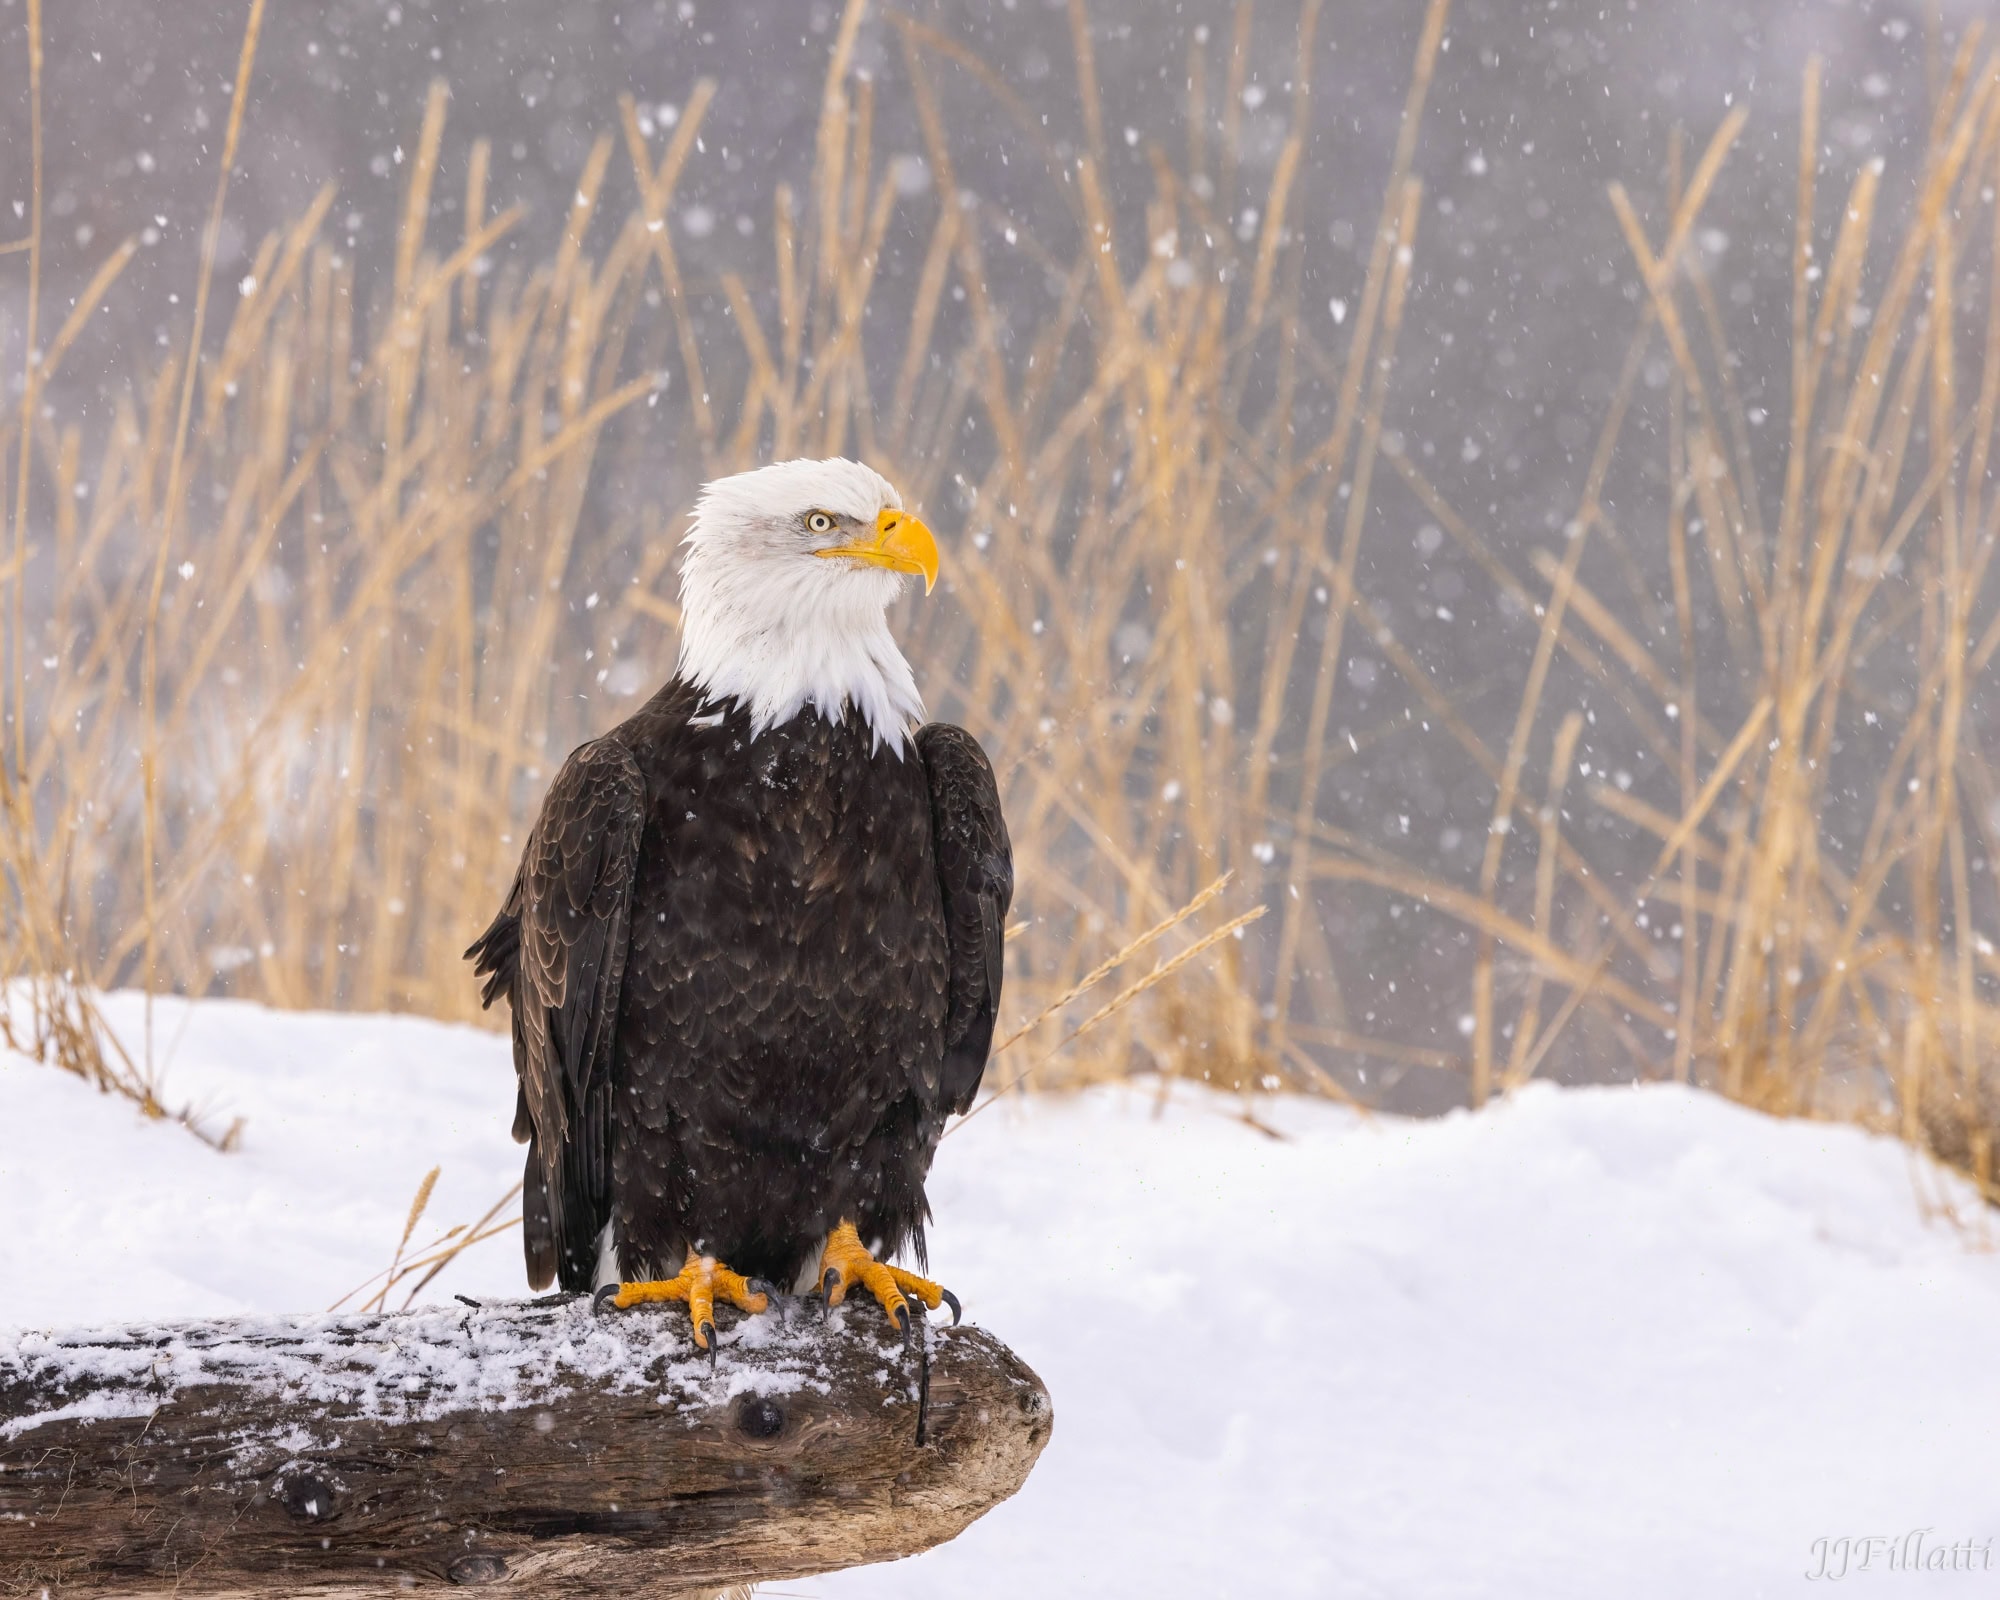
x=785 y=588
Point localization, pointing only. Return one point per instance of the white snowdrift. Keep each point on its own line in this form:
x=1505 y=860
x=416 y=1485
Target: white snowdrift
x=1588 y=1342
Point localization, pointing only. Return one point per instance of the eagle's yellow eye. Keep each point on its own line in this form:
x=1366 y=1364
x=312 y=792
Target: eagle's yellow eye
x=820 y=522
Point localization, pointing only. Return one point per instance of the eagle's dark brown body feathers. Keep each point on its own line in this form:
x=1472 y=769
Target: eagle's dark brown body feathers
x=750 y=978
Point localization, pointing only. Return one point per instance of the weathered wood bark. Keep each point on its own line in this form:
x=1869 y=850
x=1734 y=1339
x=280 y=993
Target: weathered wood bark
x=526 y=1445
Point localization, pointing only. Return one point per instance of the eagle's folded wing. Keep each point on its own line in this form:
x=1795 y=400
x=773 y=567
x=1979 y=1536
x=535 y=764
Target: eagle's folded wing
x=975 y=867
x=557 y=950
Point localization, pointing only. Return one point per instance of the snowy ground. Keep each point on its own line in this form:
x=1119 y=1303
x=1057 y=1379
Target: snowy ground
x=1591 y=1342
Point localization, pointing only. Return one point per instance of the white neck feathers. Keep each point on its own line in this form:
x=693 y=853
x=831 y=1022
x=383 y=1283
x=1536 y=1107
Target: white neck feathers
x=779 y=637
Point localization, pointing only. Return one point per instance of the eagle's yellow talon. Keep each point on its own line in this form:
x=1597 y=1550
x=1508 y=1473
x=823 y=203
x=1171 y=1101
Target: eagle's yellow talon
x=930 y=1293
x=699 y=1282
x=846 y=1262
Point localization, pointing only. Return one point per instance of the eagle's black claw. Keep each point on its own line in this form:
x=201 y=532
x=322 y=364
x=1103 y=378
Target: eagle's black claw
x=597 y=1301
x=705 y=1331
x=951 y=1300
x=829 y=1281
x=901 y=1317
x=765 y=1287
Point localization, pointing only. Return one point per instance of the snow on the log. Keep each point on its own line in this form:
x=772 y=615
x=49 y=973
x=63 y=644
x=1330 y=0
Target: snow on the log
x=419 y=1366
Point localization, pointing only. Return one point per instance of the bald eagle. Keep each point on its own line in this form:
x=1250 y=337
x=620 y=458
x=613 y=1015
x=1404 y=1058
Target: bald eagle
x=753 y=950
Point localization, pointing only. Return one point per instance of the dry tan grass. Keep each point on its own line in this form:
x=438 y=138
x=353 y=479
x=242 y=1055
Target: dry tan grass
x=298 y=704
x=363 y=559
x=1805 y=970
x=431 y=1259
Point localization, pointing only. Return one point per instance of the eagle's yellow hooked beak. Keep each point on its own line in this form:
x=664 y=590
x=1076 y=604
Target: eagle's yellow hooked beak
x=902 y=544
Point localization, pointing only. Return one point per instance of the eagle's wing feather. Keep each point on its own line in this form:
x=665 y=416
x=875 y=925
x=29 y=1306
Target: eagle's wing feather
x=557 y=950
x=975 y=867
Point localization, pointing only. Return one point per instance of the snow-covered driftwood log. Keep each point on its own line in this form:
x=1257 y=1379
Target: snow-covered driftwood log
x=531 y=1446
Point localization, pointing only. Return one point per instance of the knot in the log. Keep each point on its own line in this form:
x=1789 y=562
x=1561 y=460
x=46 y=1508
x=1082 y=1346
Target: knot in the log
x=531 y=1447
